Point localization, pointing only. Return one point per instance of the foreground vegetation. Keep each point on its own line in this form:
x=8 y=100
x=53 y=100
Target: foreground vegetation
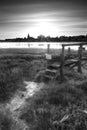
x=14 y=69
x=57 y=106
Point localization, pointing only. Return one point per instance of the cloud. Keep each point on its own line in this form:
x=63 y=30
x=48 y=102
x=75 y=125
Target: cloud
x=18 y=15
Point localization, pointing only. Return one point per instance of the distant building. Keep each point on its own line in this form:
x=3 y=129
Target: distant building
x=28 y=37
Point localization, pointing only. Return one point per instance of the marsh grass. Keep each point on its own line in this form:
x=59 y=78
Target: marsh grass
x=49 y=105
x=14 y=69
x=52 y=103
x=8 y=122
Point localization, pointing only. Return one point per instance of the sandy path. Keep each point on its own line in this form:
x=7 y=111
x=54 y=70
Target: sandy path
x=18 y=102
x=19 y=99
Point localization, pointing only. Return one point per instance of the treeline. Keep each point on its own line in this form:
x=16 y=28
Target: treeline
x=42 y=38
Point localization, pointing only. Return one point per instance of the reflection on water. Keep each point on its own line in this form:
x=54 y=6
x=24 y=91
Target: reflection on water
x=39 y=45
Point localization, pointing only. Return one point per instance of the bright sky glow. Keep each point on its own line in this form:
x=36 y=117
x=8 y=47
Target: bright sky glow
x=43 y=26
x=48 y=17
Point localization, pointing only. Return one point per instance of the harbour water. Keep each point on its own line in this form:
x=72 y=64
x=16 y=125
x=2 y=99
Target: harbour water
x=38 y=45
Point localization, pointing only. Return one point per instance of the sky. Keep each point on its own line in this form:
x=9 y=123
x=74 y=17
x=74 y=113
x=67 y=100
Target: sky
x=46 y=17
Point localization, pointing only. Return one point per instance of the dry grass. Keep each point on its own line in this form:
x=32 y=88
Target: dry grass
x=53 y=102
x=55 y=107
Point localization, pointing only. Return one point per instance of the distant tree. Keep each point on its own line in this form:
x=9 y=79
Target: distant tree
x=48 y=38
x=41 y=38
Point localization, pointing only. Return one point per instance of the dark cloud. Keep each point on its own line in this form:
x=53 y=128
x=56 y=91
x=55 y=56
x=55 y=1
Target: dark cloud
x=9 y=2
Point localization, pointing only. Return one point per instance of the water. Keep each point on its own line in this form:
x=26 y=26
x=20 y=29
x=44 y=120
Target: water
x=39 y=45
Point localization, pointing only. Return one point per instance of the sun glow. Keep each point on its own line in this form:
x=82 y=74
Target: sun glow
x=43 y=26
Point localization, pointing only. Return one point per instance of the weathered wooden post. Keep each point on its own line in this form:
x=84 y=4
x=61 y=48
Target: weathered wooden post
x=79 y=60
x=48 y=48
x=69 y=51
x=62 y=64
x=48 y=55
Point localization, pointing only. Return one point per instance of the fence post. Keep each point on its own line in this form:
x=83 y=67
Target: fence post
x=62 y=64
x=69 y=51
x=79 y=60
x=48 y=48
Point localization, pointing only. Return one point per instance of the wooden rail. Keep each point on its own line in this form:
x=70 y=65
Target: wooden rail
x=80 y=45
x=74 y=44
x=52 y=70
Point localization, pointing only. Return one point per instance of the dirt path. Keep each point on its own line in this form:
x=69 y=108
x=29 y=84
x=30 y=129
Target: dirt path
x=19 y=99
x=18 y=102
